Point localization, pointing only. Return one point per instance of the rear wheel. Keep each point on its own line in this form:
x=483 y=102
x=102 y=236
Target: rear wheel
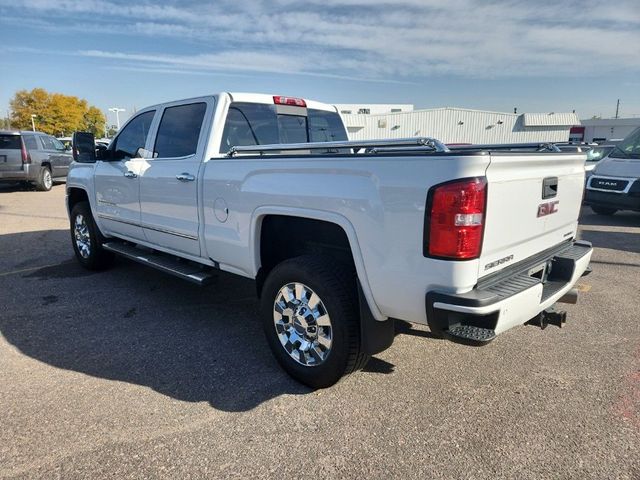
x=87 y=239
x=603 y=210
x=310 y=317
x=44 y=182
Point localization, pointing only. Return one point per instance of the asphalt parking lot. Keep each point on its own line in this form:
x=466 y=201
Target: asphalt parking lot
x=131 y=373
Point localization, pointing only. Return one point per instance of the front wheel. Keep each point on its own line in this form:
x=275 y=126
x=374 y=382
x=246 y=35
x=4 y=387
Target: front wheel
x=310 y=317
x=87 y=239
x=603 y=210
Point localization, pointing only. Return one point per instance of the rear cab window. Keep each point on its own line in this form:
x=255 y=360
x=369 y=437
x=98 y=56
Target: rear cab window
x=262 y=124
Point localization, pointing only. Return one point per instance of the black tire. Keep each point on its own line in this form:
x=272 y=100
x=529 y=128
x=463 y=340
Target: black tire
x=44 y=181
x=335 y=284
x=603 y=210
x=97 y=258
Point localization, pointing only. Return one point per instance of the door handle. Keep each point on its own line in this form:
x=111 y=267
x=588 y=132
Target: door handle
x=130 y=174
x=185 y=177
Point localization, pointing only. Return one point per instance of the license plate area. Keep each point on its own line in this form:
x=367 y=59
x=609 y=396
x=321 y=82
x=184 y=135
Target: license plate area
x=538 y=271
x=541 y=271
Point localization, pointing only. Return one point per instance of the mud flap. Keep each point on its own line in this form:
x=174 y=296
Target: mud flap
x=376 y=336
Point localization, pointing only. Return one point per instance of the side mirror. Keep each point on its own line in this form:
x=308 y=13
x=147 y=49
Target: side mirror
x=103 y=153
x=84 y=147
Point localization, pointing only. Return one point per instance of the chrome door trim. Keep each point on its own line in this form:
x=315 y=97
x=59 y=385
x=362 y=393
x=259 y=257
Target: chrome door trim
x=149 y=227
x=119 y=220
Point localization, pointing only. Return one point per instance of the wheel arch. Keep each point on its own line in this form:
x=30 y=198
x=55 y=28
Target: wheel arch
x=76 y=195
x=332 y=220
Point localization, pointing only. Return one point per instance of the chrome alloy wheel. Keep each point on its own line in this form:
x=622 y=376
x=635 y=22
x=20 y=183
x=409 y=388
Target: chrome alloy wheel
x=81 y=234
x=302 y=324
x=46 y=179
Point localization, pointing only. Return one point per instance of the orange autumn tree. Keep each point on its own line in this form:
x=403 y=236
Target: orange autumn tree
x=56 y=114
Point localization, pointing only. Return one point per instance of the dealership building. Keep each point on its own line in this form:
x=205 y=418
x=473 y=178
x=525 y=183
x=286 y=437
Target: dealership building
x=454 y=125
x=601 y=130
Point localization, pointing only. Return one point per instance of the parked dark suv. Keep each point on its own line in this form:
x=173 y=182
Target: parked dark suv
x=33 y=157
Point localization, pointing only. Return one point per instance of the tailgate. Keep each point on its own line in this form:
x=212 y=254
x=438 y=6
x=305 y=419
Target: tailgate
x=10 y=152
x=520 y=221
x=10 y=160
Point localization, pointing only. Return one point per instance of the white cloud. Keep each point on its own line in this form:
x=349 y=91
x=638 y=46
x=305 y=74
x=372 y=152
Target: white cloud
x=232 y=63
x=376 y=40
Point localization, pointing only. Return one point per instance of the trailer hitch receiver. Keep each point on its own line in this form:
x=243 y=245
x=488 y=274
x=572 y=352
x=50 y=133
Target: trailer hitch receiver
x=550 y=316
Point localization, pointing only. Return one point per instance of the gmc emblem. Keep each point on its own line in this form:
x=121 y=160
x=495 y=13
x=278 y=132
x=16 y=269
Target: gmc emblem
x=545 y=209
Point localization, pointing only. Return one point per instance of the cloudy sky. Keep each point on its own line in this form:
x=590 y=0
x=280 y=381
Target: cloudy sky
x=538 y=55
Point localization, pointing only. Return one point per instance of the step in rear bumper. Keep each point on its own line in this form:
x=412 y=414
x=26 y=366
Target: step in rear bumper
x=504 y=302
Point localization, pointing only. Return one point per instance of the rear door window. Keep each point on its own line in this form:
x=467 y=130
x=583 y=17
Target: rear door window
x=10 y=142
x=134 y=135
x=179 y=131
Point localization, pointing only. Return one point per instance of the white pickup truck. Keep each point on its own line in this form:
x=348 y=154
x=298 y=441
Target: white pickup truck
x=341 y=237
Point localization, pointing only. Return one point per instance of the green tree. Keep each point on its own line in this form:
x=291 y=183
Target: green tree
x=55 y=113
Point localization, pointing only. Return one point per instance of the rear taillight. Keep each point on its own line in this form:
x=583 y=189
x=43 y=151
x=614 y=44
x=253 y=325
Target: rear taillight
x=454 y=220
x=295 y=102
x=26 y=157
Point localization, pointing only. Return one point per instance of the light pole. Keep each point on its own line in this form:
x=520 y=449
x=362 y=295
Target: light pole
x=117 y=111
x=33 y=123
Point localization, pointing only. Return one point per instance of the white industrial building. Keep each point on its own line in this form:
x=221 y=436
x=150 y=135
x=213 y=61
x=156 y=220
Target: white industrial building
x=457 y=125
x=373 y=108
x=603 y=129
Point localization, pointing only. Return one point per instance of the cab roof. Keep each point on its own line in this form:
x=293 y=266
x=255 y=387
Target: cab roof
x=267 y=99
x=262 y=98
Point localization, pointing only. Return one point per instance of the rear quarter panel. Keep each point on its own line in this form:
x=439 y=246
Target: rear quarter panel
x=378 y=200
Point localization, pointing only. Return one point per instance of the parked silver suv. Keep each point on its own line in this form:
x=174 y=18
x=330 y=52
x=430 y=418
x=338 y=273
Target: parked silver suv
x=33 y=157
